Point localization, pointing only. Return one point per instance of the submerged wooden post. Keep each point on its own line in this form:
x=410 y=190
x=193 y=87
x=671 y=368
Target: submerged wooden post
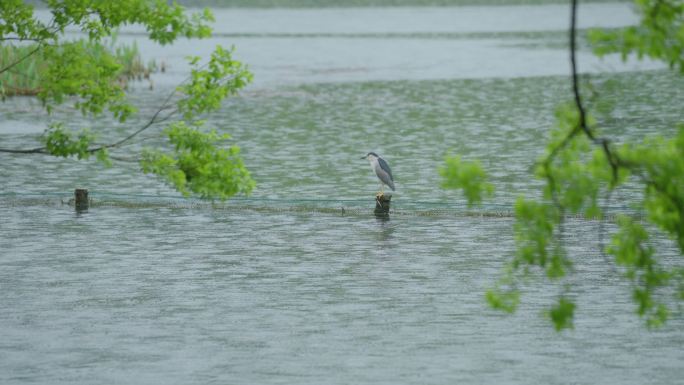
x=81 y=199
x=382 y=203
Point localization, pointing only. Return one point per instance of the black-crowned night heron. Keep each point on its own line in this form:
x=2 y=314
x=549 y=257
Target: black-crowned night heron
x=381 y=168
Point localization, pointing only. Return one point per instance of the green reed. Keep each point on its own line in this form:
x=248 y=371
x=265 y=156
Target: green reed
x=24 y=78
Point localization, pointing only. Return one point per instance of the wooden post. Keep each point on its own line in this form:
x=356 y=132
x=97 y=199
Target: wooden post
x=81 y=199
x=382 y=203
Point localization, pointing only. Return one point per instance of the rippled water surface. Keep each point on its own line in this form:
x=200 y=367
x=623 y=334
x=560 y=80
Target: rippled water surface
x=190 y=294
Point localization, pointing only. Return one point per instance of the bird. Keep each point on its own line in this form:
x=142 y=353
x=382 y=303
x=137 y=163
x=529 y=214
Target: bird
x=382 y=170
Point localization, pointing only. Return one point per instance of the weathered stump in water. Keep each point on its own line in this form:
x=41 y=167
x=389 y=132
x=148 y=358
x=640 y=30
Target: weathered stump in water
x=382 y=203
x=81 y=199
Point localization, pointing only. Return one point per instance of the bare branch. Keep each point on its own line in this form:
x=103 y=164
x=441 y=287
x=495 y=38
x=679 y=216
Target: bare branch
x=38 y=150
x=155 y=119
x=37 y=40
x=613 y=159
x=33 y=51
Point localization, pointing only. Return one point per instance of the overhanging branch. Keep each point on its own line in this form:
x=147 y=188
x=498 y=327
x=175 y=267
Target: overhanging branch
x=613 y=160
x=21 y=59
x=153 y=120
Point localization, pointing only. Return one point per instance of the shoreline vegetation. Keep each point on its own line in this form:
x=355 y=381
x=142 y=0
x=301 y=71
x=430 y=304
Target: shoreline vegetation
x=24 y=78
x=368 y=3
x=358 y=3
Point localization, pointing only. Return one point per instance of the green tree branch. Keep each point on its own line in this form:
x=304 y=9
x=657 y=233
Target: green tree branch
x=85 y=73
x=579 y=164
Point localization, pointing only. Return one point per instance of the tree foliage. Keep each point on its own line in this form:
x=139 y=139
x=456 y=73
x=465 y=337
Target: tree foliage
x=581 y=168
x=85 y=76
x=659 y=35
x=197 y=165
x=468 y=176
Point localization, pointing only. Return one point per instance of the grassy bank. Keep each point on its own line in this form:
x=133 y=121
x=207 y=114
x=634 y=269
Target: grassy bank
x=24 y=78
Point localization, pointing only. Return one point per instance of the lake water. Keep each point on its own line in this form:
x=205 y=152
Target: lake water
x=187 y=293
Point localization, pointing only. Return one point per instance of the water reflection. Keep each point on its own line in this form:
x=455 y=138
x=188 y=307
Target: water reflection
x=385 y=227
x=81 y=211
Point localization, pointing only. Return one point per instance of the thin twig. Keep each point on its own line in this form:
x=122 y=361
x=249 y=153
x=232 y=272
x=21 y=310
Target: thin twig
x=149 y=123
x=573 y=66
x=40 y=42
x=38 y=150
x=13 y=38
x=33 y=51
x=152 y=121
x=613 y=160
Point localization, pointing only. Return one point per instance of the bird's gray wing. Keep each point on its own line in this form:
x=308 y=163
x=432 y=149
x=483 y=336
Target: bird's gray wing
x=386 y=167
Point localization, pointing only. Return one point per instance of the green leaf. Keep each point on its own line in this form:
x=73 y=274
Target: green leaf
x=580 y=165
x=659 y=35
x=222 y=76
x=504 y=300
x=468 y=176
x=65 y=143
x=103 y=157
x=562 y=314
x=199 y=165
x=631 y=250
x=91 y=73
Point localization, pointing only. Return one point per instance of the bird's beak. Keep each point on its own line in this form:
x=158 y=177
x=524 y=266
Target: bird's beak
x=364 y=157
